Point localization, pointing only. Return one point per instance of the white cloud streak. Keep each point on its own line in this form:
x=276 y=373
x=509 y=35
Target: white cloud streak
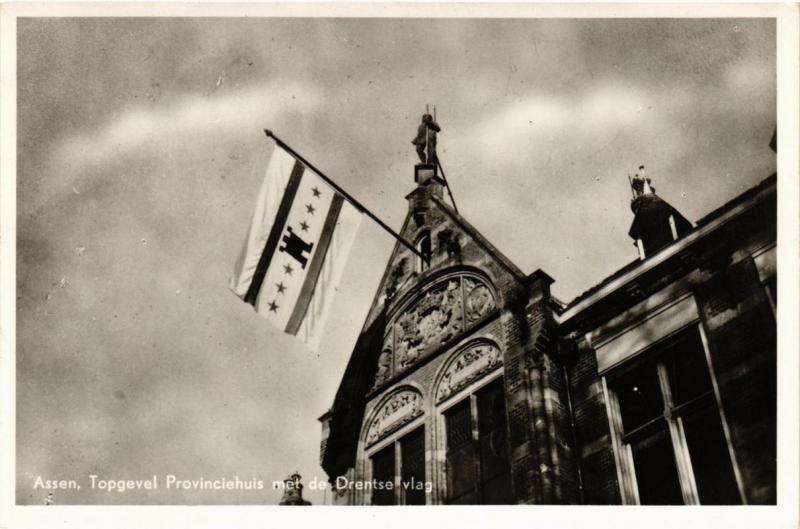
x=140 y=127
x=539 y=116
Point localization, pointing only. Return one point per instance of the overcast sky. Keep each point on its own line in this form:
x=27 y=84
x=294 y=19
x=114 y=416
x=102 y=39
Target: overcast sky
x=141 y=149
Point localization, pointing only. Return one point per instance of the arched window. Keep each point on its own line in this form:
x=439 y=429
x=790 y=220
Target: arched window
x=400 y=463
x=472 y=410
x=476 y=448
x=395 y=450
x=423 y=246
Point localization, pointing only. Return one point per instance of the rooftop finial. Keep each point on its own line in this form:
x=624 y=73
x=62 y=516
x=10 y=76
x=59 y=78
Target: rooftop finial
x=641 y=184
x=293 y=491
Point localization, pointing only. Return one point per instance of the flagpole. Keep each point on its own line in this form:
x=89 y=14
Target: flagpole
x=346 y=195
x=447 y=185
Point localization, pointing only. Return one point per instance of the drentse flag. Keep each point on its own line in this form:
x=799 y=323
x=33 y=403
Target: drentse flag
x=295 y=252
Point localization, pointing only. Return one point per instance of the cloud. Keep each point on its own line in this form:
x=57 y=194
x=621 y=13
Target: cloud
x=542 y=117
x=143 y=126
x=752 y=78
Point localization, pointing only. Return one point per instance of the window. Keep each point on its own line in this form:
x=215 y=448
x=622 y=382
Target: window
x=383 y=473
x=460 y=454
x=412 y=476
x=409 y=489
x=478 y=470
x=671 y=427
x=423 y=246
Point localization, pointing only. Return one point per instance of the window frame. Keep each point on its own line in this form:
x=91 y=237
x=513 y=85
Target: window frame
x=420 y=265
x=470 y=392
x=673 y=416
x=396 y=439
x=765 y=260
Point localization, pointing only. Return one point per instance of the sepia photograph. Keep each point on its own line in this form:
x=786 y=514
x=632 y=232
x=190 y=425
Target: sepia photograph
x=444 y=257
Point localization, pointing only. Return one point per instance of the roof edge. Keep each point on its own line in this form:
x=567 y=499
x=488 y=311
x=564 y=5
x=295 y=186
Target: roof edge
x=481 y=239
x=705 y=225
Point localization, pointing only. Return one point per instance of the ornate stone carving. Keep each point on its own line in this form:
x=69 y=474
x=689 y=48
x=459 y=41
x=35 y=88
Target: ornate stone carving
x=396 y=277
x=384 y=367
x=479 y=300
x=434 y=320
x=401 y=408
x=451 y=243
x=468 y=365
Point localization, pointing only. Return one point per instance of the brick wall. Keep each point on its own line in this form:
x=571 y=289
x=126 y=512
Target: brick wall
x=592 y=432
x=560 y=433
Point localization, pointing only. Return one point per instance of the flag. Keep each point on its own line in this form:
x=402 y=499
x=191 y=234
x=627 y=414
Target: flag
x=296 y=248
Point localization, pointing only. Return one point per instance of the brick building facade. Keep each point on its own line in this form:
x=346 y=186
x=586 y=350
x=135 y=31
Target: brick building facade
x=471 y=384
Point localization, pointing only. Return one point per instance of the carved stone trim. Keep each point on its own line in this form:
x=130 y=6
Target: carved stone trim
x=469 y=365
x=401 y=408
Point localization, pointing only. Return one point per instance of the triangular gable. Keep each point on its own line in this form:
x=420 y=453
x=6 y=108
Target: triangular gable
x=348 y=408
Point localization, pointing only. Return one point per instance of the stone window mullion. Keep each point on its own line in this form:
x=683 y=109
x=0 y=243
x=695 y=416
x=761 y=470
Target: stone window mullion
x=398 y=472
x=473 y=409
x=682 y=460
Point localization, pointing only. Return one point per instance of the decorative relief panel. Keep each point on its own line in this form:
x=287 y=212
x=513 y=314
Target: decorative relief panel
x=401 y=408
x=468 y=366
x=435 y=319
x=445 y=311
x=479 y=299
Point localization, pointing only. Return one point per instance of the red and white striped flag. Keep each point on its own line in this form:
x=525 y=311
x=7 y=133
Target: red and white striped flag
x=299 y=239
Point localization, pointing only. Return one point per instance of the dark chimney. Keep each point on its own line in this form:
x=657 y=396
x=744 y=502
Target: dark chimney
x=656 y=223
